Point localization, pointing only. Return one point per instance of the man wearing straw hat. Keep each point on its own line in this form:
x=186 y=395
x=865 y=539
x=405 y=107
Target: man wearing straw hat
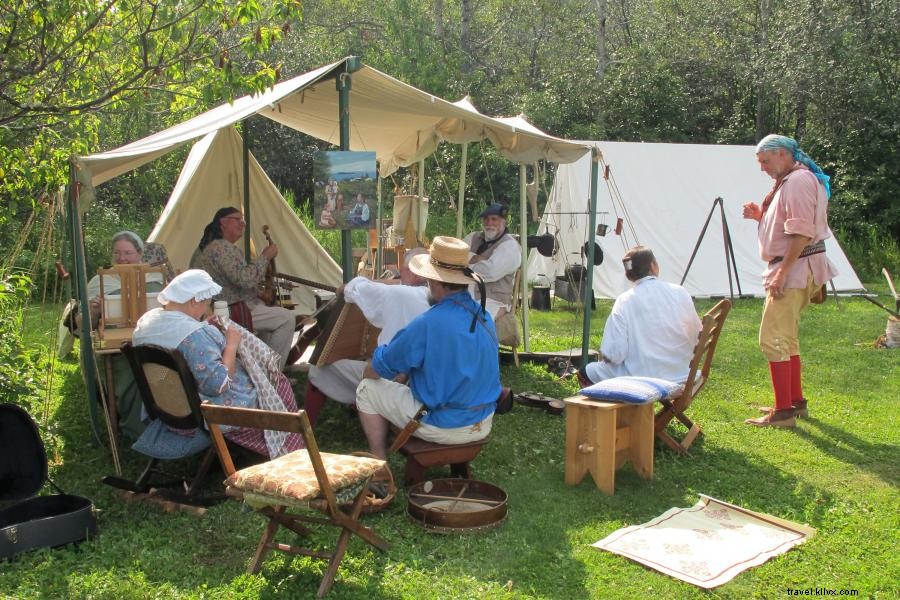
x=793 y=226
x=448 y=355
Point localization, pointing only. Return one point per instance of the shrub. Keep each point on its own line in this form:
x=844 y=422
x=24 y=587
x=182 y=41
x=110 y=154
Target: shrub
x=17 y=365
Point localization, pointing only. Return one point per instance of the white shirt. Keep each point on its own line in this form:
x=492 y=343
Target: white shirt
x=652 y=330
x=388 y=306
x=506 y=258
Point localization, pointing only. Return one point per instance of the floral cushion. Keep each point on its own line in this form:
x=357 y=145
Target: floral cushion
x=634 y=390
x=290 y=478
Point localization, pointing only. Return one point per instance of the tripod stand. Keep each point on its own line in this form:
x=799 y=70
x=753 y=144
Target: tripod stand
x=730 y=263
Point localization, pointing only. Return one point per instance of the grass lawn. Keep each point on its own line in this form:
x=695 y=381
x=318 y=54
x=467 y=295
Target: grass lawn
x=837 y=471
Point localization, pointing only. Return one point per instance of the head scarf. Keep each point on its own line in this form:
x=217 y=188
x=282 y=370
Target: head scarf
x=193 y=284
x=774 y=142
x=132 y=237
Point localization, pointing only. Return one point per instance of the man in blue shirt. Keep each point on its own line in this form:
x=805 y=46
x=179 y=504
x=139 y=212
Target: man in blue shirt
x=448 y=355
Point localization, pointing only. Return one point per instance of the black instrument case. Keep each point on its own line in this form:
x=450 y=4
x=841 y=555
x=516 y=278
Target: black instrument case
x=28 y=522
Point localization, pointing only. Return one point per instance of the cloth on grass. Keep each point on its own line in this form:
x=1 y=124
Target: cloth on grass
x=707 y=544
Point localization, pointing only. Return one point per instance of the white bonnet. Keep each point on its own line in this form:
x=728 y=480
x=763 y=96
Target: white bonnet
x=193 y=284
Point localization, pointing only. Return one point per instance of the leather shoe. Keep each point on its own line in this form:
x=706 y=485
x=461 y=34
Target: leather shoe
x=775 y=418
x=799 y=408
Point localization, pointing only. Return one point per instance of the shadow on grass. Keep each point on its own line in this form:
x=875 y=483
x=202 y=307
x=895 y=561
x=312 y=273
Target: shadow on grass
x=541 y=550
x=877 y=459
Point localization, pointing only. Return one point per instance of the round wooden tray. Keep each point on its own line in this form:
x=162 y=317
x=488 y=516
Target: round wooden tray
x=456 y=505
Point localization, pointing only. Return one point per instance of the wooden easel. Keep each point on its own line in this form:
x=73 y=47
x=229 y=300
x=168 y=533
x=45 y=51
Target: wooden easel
x=115 y=329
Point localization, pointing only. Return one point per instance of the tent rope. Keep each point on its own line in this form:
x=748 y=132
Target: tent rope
x=618 y=203
x=440 y=170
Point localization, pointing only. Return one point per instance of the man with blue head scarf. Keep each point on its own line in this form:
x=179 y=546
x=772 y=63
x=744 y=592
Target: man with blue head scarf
x=793 y=226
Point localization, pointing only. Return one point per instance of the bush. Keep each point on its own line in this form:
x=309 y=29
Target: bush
x=17 y=364
x=869 y=251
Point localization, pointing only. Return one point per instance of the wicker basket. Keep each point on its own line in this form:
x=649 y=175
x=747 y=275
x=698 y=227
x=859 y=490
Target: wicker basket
x=372 y=503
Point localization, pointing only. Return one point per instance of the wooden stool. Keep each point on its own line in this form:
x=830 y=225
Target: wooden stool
x=601 y=436
x=421 y=454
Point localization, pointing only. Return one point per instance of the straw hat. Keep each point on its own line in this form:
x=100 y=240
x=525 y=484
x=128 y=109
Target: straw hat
x=447 y=261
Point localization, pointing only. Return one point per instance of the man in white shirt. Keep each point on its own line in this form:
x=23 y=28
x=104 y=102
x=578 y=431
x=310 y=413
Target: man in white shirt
x=387 y=306
x=496 y=256
x=652 y=329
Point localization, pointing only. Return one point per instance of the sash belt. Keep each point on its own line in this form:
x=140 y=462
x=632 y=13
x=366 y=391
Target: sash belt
x=817 y=248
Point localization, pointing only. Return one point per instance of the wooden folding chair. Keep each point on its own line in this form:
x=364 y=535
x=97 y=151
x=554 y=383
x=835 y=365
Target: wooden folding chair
x=169 y=394
x=302 y=480
x=674 y=407
x=512 y=316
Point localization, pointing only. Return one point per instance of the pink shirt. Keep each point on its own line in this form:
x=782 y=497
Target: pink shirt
x=800 y=207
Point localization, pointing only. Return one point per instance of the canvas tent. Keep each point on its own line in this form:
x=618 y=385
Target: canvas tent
x=210 y=180
x=664 y=194
x=400 y=123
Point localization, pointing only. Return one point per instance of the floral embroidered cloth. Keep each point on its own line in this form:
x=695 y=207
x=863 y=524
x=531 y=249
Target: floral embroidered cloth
x=291 y=477
x=708 y=544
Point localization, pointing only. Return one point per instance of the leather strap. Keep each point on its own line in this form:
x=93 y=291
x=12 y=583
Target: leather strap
x=817 y=248
x=407 y=431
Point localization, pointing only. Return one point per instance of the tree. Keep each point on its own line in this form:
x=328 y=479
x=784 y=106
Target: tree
x=63 y=63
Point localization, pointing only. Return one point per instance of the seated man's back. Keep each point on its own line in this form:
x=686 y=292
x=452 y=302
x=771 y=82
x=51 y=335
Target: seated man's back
x=652 y=329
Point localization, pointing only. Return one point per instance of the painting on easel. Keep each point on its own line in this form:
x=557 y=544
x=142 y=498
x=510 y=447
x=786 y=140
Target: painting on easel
x=345 y=187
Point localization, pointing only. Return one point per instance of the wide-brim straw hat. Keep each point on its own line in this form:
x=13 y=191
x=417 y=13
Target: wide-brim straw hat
x=446 y=261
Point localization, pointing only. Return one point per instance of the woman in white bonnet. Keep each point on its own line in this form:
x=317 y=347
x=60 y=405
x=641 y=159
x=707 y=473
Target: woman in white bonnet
x=211 y=350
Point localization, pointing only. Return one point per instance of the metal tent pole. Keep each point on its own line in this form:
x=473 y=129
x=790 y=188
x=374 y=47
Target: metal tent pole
x=523 y=237
x=80 y=267
x=588 y=291
x=352 y=64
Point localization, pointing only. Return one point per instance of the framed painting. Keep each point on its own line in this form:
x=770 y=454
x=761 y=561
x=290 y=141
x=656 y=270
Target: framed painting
x=345 y=185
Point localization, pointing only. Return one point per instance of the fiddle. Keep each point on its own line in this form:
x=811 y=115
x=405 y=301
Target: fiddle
x=269 y=293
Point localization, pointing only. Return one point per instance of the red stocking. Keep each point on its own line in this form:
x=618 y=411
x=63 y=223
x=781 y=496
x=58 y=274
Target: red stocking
x=796 y=384
x=781 y=383
x=313 y=402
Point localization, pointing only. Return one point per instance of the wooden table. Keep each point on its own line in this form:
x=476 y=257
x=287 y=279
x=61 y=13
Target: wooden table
x=601 y=436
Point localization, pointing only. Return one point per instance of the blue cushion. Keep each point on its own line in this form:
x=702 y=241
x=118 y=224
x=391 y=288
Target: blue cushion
x=635 y=390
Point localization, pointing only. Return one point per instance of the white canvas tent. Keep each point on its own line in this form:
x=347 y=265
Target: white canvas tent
x=209 y=181
x=664 y=194
x=400 y=123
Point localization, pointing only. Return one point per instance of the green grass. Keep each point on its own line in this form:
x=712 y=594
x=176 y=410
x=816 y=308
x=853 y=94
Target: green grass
x=837 y=472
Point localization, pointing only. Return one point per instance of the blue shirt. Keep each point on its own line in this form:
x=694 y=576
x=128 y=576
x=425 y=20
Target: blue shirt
x=452 y=371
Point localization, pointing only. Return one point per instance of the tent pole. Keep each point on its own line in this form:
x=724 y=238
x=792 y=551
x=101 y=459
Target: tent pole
x=89 y=363
x=588 y=291
x=420 y=235
x=379 y=227
x=342 y=82
x=245 y=173
x=523 y=236
x=461 y=195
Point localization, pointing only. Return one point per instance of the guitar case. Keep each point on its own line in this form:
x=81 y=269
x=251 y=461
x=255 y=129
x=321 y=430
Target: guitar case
x=28 y=522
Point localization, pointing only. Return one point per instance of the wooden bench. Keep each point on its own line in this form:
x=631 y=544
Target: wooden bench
x=421 y=455
x=601 y=436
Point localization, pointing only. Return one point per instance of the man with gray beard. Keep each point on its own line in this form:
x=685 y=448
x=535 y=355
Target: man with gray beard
x=495 y=256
